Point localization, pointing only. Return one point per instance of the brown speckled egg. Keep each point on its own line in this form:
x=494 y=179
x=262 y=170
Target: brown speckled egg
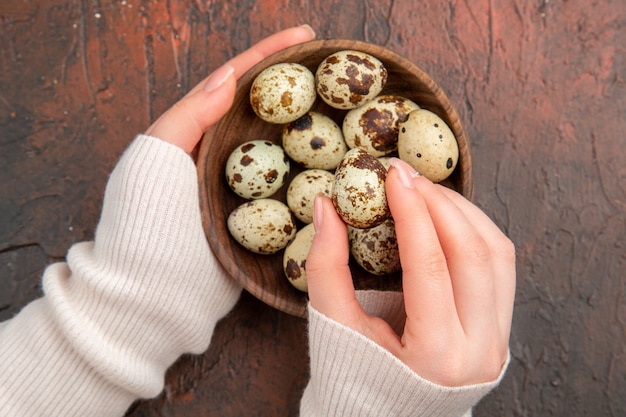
x=283 y=92
x=359 y=190
x=262 y=226
x=376 y=249
x=374 y=126
x=426 y=143
x=385 y=161
x=294 y=258
x=257 y=169
x=302 y=191
x=315 y=141
x=348 y=79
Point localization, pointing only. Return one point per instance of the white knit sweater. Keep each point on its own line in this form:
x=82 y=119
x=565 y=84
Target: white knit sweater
x=148 y=289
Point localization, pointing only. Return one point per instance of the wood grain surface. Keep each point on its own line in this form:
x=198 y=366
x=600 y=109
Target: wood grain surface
x=540 y=87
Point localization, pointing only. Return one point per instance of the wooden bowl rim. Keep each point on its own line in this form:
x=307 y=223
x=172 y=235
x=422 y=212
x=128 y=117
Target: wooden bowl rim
x=385 y=55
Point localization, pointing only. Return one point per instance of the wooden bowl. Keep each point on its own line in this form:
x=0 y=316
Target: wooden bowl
x=262 y=275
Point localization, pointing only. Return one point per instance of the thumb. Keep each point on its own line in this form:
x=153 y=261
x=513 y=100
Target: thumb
x=186 y=121
x=330 y=287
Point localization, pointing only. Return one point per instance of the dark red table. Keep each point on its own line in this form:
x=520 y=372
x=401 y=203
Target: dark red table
x=541 y=89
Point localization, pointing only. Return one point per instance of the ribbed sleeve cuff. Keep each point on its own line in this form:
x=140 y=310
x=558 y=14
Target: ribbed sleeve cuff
x=353 y=376
x=125 y=307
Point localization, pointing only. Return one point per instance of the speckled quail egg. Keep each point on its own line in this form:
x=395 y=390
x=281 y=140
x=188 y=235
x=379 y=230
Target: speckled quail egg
x=302 y=191
x=257 y=169
x=427 y=144
x=359 y=190
x=348 y=79
x=376 y=249
x=283 y=92
x=315 y=141
x=374 y=126
x=294 y=257
x=385 y=161
x=263 y=226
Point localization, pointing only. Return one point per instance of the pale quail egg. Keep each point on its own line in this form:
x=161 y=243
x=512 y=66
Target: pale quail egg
x=348 y=79
x=302 y=191
x=294 y=257
x=427 y=144
x=374 y=126
x=359 y=190
x=283 y=92
x=262 y=226
x=315 y=141
x=385 y=161
x=376 y=249
x=257 y=169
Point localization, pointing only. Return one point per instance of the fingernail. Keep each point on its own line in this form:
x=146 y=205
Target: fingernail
x=405 y=171
x=218 y=77
x=318 y=212
x=310 y=29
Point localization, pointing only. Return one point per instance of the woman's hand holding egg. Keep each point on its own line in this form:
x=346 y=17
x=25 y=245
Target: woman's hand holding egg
x=185 y=122
x=458 y=275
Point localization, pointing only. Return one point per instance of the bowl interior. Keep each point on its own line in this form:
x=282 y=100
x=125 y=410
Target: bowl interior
x=262 y=275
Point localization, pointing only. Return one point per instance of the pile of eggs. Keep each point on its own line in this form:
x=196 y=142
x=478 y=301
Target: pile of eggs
x=347 y=163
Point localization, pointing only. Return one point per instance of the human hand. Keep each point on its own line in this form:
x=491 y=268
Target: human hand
x=458 y=277
x=185 y=122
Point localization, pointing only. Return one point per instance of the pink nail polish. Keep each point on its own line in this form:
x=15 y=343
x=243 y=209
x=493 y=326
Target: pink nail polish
x=218 y=77
x=405 y=171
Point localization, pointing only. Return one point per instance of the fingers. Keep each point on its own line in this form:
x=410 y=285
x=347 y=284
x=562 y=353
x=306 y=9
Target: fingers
x=330 y=287
x=185 y=122
x=428 y=293
x=266 y=47
x=270 y=45
x=503 y=260
x=329 y=280
x=451 y=238
x=469 y=261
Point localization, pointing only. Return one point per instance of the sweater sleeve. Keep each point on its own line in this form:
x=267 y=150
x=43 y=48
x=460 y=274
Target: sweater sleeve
x=123 y=308
x=353 y=376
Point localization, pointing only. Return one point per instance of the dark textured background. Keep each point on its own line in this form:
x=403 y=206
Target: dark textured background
x=540 y=86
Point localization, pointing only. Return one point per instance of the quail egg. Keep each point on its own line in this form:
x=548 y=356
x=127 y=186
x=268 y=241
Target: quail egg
x=294 y=257
x=257 y=169
x=385 y=161
x=263 y=226
x=315 y=141
x=283 y=92
x=427 y=144
x=302 y=191
x=359 y=190
x=348 y=79
x=374 y=126
x=376 y=249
